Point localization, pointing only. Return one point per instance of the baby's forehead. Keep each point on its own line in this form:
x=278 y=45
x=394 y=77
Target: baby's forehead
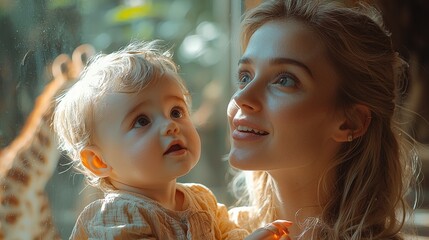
x=153 y=94
x=176 y=87
x=138 y=85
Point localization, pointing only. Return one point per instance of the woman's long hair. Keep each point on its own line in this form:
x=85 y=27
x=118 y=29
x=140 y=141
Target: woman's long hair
x=375 y=171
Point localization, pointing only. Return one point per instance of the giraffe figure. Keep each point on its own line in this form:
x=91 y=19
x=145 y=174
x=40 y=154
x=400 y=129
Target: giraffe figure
x=28 y=162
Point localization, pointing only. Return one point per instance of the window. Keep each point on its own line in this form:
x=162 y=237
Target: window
x=34 y=33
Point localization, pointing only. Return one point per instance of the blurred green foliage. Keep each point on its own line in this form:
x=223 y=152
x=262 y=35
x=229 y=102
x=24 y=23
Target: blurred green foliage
x=34 y=32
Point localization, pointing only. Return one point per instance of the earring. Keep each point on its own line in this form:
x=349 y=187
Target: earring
x=350 y=137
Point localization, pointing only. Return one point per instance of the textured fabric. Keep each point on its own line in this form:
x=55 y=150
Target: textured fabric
x=124 y=215
x=241 y=217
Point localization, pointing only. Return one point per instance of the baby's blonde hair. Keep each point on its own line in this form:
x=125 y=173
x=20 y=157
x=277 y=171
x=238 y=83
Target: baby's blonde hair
x=374 y=171
x=128 y=70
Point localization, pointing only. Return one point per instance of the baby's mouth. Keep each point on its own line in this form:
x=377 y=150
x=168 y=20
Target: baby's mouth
x=174 y=148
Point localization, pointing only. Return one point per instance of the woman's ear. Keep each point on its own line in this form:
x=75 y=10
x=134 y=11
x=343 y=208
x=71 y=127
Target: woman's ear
x=92 y=160
x=354 y=124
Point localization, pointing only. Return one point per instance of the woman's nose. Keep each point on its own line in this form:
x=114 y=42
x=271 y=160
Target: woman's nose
x=170 y=128
x=248 y=98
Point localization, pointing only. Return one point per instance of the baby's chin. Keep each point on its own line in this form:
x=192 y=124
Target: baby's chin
x=187 y=167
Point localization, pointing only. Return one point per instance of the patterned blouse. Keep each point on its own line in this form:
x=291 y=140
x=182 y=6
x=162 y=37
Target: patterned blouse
x=125 y=215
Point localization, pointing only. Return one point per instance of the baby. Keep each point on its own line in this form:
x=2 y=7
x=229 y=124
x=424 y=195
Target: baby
x=126 y=125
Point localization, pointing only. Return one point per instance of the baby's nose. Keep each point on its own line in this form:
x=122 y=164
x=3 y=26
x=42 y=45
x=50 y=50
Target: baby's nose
x=171 y=128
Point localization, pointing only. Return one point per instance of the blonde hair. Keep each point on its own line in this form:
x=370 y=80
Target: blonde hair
x=128 y=70
x=375 y=171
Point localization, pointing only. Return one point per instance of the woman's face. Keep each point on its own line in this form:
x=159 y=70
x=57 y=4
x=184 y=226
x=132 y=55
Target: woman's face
x=283 y=114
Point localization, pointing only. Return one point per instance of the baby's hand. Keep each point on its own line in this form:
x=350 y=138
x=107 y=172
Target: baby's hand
x=275 y=230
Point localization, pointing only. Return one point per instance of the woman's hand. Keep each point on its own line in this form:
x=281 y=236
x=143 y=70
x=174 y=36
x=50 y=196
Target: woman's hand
x=275 y=230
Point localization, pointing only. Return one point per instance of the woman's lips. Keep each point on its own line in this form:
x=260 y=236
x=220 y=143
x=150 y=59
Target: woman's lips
x=246 y=129
x=242 y=133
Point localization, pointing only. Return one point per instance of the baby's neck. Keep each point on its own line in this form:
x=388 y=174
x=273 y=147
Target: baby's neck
x=166 y=195
x=180 y=199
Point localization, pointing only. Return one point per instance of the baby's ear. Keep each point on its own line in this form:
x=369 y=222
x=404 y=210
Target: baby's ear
x=92 y=160
x=354 y=124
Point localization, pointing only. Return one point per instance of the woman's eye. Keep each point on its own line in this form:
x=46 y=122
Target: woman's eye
x=177 y=112
x=244 y=78
x=141 y=121
x=286 y=80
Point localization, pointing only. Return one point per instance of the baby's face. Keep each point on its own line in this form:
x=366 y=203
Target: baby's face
x=147 y=138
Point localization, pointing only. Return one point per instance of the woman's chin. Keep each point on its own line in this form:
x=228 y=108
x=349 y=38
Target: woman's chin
x=241 y=162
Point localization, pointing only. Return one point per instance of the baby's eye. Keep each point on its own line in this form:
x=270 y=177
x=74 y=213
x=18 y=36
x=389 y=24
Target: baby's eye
x=177 y=112
x=141 y=121
x=244 y=78
x=286 y=80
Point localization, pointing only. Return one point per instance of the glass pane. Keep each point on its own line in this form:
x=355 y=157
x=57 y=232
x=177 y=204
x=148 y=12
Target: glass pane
x=34 y=33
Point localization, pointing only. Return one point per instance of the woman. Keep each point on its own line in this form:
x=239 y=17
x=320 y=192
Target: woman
x=313 y=123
